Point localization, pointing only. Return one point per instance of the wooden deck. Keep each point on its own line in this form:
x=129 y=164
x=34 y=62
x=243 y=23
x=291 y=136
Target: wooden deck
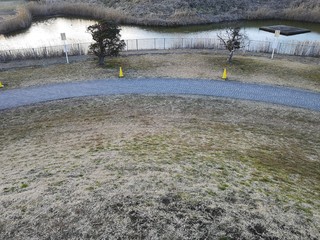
x=285 y=30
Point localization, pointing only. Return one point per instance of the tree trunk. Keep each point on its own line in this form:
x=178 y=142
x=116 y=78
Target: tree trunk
x=101 y=60
x=230 y=56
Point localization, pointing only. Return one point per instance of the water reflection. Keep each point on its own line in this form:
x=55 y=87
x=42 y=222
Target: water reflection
x=47 y=33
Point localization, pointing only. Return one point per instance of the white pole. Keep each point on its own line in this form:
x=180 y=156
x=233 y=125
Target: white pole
x=64 y=38
x=66 y=51
x=275 y=42
x=272 y=53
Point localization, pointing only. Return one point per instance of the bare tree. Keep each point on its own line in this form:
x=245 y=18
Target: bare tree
x=233 y=39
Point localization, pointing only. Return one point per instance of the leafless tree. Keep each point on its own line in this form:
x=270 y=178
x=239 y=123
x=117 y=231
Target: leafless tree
x=233 y=39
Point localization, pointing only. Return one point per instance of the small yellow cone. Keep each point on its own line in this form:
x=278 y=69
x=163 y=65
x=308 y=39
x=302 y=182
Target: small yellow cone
x=120 y=73
x=224 y=75
x=1 y=85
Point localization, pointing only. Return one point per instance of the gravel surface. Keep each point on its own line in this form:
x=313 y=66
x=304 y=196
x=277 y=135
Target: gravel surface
x=230 y=89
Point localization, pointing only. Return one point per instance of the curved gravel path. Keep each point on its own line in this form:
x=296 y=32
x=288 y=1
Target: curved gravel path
x=229 y=89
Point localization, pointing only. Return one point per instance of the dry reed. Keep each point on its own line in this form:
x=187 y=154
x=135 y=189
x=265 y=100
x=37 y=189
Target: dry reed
x=71 y=9
x=307 y=48
x=186 y=15
x=21 y=20
x=124 y=13
x=303 y=13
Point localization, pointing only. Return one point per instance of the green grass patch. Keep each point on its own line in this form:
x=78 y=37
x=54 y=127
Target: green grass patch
x=276 y=68
x=24 y=185
x=223 y=186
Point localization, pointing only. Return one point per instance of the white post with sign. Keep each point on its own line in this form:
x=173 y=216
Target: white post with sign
x=275 y=42
x=64 y=38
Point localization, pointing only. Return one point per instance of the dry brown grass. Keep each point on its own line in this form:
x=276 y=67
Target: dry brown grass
x=167 y=12
x=152 y=167
x=303 y=12
x=21 y=20
x=301 y=72
x=87 y=10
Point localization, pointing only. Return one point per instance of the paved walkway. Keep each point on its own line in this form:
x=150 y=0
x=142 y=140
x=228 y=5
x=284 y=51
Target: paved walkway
x=229 y=89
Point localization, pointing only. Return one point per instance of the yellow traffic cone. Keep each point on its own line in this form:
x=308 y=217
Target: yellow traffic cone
x=120 y=73
x=1 y=85
x=224 y=74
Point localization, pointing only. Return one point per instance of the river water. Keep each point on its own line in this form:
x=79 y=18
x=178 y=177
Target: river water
x=47 y=32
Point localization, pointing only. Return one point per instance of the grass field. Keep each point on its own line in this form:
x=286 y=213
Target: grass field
x=291 y=71
x=159 y=167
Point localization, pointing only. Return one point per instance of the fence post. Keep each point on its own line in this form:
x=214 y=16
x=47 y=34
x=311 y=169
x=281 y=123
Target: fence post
x=279 y=48
x=34 y=53
x=269 y=46
x=300 y=48
x=311 y=50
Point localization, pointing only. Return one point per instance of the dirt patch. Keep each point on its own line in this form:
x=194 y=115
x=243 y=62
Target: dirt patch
x=155 y=167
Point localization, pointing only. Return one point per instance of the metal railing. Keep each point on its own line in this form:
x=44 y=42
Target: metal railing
x=296 y=48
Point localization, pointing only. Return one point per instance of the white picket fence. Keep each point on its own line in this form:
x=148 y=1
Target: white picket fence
x=296 y=48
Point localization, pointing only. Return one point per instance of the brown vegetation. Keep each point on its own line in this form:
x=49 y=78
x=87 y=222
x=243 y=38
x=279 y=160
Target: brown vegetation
x=24 y=16
x=304 y=11
x=156 y=167
x=291 y=71
x=21 y=20
x=301 y=48
x=166 y=12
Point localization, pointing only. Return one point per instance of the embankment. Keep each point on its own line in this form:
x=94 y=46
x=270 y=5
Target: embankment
x=165 y=13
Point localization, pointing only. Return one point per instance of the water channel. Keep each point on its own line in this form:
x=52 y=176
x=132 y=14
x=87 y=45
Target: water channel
x=47 y=32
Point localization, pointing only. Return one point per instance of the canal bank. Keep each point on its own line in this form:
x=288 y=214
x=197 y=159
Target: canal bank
x=43 y=39
x=47 y=32
x=166 y=13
